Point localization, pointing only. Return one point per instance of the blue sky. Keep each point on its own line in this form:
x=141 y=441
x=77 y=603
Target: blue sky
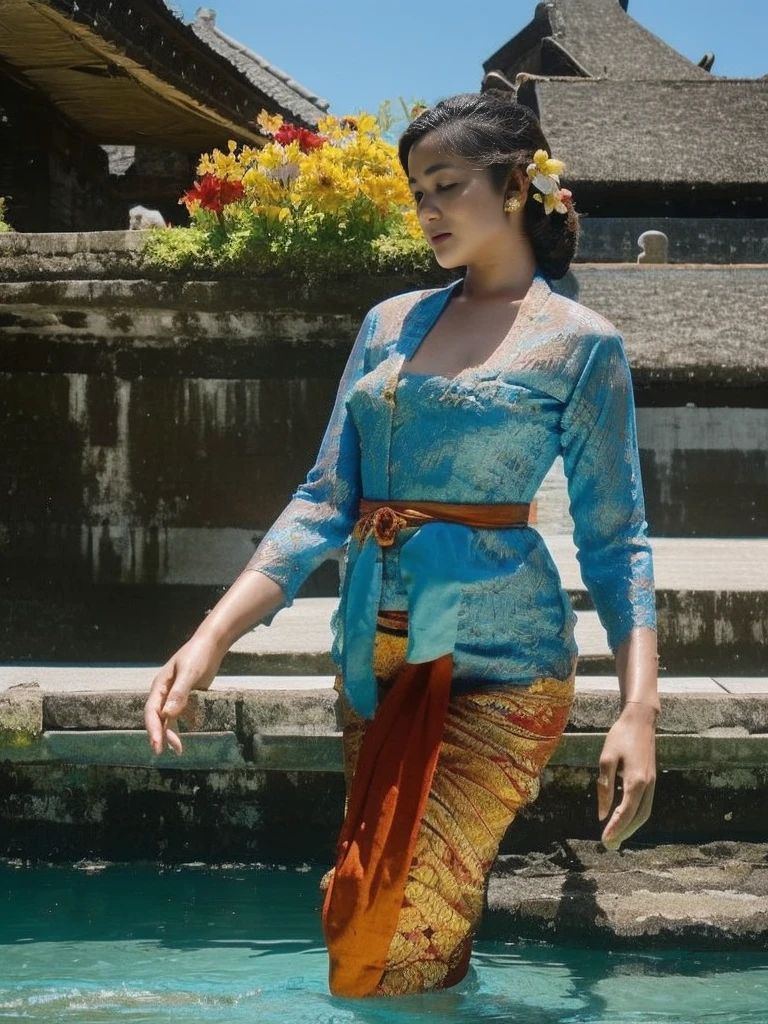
x=356 y=53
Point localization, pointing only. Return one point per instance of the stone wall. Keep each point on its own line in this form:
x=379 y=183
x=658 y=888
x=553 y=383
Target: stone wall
x=260 y=777
x=147 y=420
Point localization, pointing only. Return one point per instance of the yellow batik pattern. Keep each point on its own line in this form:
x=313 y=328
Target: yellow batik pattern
x=495 y=746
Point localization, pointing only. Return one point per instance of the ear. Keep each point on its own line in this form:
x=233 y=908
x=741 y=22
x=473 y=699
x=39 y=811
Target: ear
x=518 y=182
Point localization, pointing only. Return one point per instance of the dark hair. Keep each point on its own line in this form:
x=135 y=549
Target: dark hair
x=491 y=129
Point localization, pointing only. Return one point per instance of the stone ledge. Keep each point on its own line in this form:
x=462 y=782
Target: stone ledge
x=713 y=896
x=700 y=306
x=700 y=707
x=602 y=240
x=316 y=748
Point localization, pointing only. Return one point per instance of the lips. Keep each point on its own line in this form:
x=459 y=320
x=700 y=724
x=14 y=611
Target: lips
x=440 y=236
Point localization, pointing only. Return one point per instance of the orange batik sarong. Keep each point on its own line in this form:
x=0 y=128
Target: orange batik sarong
x=433 y=783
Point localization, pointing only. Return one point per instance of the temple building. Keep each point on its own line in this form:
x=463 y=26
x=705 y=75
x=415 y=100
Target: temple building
x=644 y=131
x=103 y=105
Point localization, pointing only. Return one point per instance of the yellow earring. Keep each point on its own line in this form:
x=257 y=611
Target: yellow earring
x=513 y=203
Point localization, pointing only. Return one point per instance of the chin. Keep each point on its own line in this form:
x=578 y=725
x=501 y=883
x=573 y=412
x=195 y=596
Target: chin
x=449 y=262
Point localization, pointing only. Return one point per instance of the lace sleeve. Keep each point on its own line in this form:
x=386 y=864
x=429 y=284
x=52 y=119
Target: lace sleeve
x=602 y=466
x=320 y=515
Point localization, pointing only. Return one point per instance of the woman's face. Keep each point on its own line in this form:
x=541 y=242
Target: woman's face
x=457 y=200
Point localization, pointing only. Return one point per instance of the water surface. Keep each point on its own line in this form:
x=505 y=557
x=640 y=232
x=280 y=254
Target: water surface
x=141 y=945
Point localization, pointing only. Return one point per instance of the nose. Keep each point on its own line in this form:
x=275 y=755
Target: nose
x=429 y=210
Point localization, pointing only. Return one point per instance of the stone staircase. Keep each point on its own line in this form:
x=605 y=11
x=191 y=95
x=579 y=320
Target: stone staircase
x=260 y=777
x=272 y=706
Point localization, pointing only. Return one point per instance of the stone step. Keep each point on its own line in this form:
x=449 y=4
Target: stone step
x=122 y=678
x=318 y=751
x=697 y=896
x=299 y=641
x=66 y=714
x=736 y=564
x=712 y=604
x=708 y=632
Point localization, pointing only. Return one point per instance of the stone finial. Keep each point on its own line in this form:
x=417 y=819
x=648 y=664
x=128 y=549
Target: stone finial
x=707 y=61
x=496 y=80
x=653 y=247
x=206 y=14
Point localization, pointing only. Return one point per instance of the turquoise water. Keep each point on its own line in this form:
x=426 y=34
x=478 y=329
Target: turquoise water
x=140 y=945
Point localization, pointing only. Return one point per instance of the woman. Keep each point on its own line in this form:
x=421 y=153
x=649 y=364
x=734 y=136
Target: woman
x=454 y=638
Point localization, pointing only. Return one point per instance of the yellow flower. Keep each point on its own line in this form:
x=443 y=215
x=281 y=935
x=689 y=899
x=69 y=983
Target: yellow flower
x=269 y=123
x=223 y=165
x=285 y=183
x=412 y=225
x=385 y=190
x=327 y=124
x=366 y=123
x=325 y=185
x=261 y=187
x=544 y=164
x=552 y=202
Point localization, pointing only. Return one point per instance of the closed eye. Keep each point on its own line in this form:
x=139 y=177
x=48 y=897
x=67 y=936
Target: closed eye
x=439 y=188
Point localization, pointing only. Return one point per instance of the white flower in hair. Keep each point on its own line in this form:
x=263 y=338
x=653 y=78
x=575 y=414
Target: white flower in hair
x=544 y=174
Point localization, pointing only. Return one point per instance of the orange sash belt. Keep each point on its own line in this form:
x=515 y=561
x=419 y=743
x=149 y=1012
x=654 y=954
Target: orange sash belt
x=385 y=518
x=392 y=779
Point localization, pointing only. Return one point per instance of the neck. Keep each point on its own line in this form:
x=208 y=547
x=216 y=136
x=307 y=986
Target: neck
x=501 y=280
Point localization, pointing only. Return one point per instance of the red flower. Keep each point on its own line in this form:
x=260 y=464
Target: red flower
x=213 y=193
x=306 y=139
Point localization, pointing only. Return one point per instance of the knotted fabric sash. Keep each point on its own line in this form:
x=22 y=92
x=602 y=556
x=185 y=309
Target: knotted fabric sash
x=386 y=518
x=392 y=778
x=433 y=564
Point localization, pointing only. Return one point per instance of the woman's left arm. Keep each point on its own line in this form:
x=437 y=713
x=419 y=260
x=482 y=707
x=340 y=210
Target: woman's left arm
x=629 y=750
x=602 y=466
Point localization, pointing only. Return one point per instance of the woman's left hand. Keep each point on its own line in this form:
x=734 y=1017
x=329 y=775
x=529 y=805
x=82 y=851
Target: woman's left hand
x=629 y=751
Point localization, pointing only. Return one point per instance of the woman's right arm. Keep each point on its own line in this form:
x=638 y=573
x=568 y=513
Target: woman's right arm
x=317 y=520
x=251 y=598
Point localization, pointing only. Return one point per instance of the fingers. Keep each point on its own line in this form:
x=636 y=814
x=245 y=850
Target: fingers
x=640 y=818
x=153 y=720
x=166 y=702
x=606 y=782
x=633 y=812
x=172 y=736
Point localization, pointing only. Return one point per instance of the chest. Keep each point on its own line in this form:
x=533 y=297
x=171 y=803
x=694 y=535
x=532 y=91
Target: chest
x=462 y=338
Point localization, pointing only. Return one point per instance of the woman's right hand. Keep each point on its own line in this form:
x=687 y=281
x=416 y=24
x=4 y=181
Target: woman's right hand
x=192 y=667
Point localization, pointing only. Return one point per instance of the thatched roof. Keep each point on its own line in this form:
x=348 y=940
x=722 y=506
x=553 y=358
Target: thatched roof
x=598 y=37
x=130 y=74
x=704 y=133
x=304 y=105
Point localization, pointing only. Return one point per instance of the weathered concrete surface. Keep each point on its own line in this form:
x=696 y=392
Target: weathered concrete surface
x=120 y=747
x=104 y=254
x=58 y=811
x=70 y=791
x=700 y=632
x=681 y=323
x=712 y=896
x=691 y=239
x=21 y=718
x=224 y=374
x=76 y=699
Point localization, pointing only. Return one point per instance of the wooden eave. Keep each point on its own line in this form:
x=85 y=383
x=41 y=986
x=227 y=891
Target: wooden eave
x=107 y=91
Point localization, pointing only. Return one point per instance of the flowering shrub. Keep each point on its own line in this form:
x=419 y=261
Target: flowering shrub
x=336 y=196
